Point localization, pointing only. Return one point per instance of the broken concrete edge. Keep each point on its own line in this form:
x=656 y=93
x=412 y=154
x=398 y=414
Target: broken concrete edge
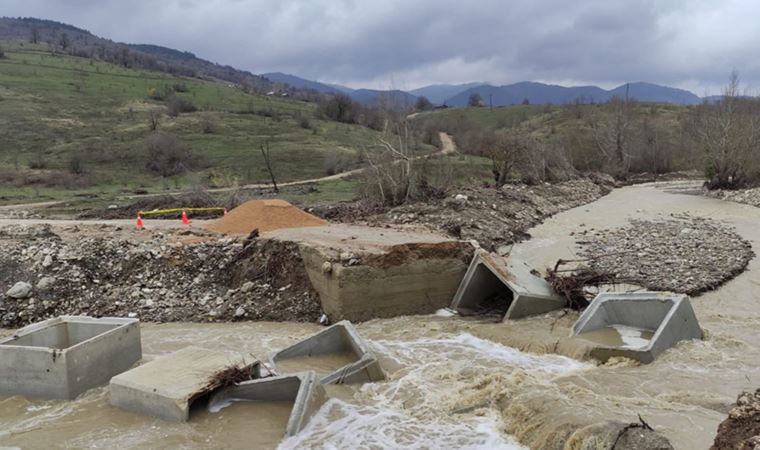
x=531 y=295
x=365 y=369
x=64 y=373
x=679 y=322
x=302 y=388
x=171 y=398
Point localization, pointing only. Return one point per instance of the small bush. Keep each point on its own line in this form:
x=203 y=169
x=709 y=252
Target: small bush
x=180 y=87
x=209 y=124
x=337 y=162
x=304 y=122
x=167 y=156
x=2 y=53
x=76 y=165
x=176 y=105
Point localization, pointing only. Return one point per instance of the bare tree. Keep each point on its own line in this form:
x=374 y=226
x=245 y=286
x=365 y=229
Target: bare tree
x=728 y=131
x=154 y=119
x=475 y=100
x=35 y=36
x=268 y=162
x=612 y=130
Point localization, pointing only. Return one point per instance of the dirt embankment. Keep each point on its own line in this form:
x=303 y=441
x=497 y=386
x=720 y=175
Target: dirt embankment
x=741 y=430
x=495 y=217
x=156 y=276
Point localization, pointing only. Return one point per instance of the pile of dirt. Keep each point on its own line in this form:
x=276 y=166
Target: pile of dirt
x=741 y=430
x=679 y=253
x=495 y=217
x=264 y=215
x=157 y=277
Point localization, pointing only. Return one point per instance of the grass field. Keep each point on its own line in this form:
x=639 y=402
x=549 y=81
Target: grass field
x=57 y=109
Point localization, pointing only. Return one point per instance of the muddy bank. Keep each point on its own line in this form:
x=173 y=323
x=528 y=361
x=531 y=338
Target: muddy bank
x=741 y=430
x=680 y=253
x=495 y=217
x=155 y=276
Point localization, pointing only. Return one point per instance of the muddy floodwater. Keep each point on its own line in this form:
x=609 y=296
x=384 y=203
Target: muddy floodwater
x=462 y=382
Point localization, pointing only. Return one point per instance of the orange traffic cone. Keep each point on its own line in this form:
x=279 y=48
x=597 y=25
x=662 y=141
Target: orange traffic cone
x=185 y=220
x=139 y=222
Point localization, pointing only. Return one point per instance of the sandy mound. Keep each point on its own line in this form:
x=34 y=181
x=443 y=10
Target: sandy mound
x=264 y=215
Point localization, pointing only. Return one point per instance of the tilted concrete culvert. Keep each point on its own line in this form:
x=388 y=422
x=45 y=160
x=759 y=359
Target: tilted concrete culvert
x=338 y=355
x=638 y=325
x=63 y=357
x=167 y=386
x=492 y=282
x=303 y=389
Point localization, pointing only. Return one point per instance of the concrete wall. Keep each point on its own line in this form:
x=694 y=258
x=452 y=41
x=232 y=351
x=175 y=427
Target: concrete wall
x=363 y=292
x=63 y=357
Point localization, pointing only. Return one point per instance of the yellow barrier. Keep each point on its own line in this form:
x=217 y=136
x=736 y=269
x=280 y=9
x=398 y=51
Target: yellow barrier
x=173 y=210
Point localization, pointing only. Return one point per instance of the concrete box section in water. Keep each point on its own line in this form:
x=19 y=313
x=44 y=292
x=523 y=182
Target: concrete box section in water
x=302 y=389
x=337 y=354
x=62 y=357
x=491 y=282
x=167 y=386
x=639 y=326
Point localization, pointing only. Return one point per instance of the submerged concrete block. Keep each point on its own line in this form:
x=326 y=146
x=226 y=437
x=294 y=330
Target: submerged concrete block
x=637 y=325
x=62 y=357
x=167 y=386
x=303 y=389
x=508 y=287
x=337 y=354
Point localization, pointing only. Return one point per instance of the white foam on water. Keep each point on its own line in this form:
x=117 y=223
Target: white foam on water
x=414 y=408
x=341 y=425
x=473 y=350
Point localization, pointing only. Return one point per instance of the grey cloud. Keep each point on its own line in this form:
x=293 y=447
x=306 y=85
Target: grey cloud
x=688 y=44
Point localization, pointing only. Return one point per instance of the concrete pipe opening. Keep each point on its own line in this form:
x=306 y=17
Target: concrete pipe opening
x=485 y=295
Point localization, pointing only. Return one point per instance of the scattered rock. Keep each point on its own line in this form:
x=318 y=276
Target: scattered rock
x=45 y=283
x=679 y=254
x=20 y=290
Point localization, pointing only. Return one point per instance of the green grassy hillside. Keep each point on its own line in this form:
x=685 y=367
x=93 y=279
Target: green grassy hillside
x=71 y=126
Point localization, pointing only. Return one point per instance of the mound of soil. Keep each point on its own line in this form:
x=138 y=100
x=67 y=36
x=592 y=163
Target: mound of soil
x=264 y=215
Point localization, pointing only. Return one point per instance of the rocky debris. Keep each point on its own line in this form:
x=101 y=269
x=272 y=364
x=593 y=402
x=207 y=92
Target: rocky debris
x=20 y=290
x=616 y=435
x=494 y=217
x=746 y=196
x=680 y=254
x=156 y=276
x=741 y=429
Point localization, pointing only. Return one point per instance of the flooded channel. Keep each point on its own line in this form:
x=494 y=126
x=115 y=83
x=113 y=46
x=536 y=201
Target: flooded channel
x=461 y=382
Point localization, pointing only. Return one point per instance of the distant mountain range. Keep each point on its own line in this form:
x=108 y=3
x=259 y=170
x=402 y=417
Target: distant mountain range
x=512 y=94
x=368 y=96
x=81 y=42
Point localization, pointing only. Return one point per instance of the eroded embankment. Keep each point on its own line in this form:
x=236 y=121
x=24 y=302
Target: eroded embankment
x=494 y=217
x=156 y=276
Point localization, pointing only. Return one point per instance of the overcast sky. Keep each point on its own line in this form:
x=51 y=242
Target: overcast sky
x=404 y=44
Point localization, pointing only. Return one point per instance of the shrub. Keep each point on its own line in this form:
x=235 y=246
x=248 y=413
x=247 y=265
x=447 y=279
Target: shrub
x=176 y=105
x=209 y=124
x=167 y=156
x=76 y=165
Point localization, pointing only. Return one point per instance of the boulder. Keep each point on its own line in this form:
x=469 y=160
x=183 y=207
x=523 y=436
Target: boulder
x=45 y=283
x=19 y=290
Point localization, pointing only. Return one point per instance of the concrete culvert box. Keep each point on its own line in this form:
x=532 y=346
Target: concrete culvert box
x=167 y=387
x=302 y=390
x=337 y=354
x=492 y=285
x=637 y=325
x=63 y=357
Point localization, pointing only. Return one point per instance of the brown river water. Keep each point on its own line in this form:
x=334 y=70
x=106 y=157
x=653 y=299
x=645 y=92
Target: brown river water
x=456 y=382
